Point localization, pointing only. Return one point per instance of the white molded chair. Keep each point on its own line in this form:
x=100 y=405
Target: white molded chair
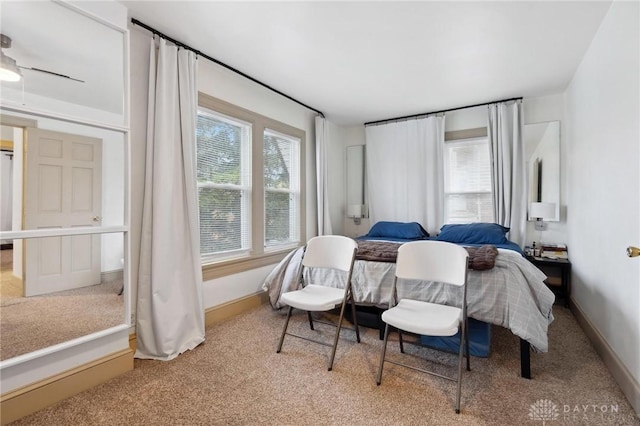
x=332 y=252
x=429 y=261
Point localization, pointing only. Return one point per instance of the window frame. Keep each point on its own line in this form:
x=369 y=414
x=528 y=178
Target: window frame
x=294 y=191
x=462 y=137
x=258 y=255
x=244 y=187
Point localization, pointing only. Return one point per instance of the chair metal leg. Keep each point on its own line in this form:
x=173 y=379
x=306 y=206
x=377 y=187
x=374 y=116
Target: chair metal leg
x=355 y=320
x=284 y=330
x=400 y=340
x=466 y=325
x=335 y=340
x=310 y=320
x=384 y=351
x=460 y=355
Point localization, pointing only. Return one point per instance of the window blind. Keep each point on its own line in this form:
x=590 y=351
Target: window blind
x=468 y=189
x=281 y=188
x=224 y=183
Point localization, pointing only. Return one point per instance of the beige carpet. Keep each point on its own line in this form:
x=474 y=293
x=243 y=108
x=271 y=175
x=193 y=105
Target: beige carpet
x=31 y=323
x=236 y=378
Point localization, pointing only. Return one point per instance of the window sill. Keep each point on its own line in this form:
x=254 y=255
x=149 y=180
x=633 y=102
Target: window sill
x=224 y=268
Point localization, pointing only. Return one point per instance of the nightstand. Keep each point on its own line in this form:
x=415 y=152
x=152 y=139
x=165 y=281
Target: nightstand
x=558 y=272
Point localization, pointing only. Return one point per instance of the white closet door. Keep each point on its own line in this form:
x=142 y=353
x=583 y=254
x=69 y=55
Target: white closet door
x=63 y=178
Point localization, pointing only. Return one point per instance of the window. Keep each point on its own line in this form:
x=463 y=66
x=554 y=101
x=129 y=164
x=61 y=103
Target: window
x=224 y=184
x=281 y=189
x=467 y=181
x=250 y=179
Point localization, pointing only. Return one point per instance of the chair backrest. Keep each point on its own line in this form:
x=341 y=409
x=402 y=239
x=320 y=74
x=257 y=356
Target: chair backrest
x=330 y=251
x=432 y=261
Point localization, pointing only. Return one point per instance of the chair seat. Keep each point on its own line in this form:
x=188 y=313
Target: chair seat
x=314 y=298
x=424 y=318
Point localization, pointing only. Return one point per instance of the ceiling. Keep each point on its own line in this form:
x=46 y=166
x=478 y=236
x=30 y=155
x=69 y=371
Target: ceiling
x=365 y=61
x=354 y=61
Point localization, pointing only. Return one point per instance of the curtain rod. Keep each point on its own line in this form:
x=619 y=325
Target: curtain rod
x=408 y=117
x=204 y=55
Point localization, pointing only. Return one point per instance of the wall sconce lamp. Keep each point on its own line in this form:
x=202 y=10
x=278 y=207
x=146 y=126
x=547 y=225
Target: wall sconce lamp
x=354 y=211
x=541 y=211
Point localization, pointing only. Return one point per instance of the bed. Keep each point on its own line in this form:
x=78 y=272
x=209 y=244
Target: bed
x=510 y=293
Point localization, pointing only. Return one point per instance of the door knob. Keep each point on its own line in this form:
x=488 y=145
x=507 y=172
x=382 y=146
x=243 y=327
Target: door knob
x=97 y=218
x=633 y=251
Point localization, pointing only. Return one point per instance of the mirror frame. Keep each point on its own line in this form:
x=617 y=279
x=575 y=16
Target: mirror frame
x=38 y=365
x=355 y=165
x=539 y=161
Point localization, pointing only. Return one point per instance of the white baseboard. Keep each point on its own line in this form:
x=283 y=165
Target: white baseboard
x=29 y=399
x=628 y=384
x=107 y=276
x=235 y=307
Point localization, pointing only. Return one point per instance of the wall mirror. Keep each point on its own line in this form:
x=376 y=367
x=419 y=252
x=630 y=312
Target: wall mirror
x=73 y=294
x=355 y=175
x=57 y=174
x=64 y=145
x=75 y=69
x=542 y=151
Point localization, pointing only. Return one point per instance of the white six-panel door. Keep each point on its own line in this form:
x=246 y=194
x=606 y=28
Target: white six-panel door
x=63 y=182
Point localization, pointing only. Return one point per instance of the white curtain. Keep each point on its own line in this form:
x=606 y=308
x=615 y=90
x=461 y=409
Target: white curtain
x=508 y=167
x=404 y=171
x=170 y=311
x=322 y=174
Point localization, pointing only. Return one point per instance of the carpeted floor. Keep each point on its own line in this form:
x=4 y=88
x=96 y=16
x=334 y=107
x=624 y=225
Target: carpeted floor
x=31 y=323
x=236 y=378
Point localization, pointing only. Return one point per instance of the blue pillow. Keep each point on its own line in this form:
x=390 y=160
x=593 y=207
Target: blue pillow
x=410 y=230
x=474 y=233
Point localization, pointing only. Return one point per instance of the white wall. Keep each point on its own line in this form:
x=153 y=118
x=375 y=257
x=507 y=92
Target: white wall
x=602 y=111
x=469 y=118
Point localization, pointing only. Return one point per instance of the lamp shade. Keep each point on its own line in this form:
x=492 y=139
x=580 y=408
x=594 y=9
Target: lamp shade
x=354 y=210
x=540 y=210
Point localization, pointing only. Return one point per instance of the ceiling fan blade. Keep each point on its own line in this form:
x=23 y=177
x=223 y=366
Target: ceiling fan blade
x=52 y=73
